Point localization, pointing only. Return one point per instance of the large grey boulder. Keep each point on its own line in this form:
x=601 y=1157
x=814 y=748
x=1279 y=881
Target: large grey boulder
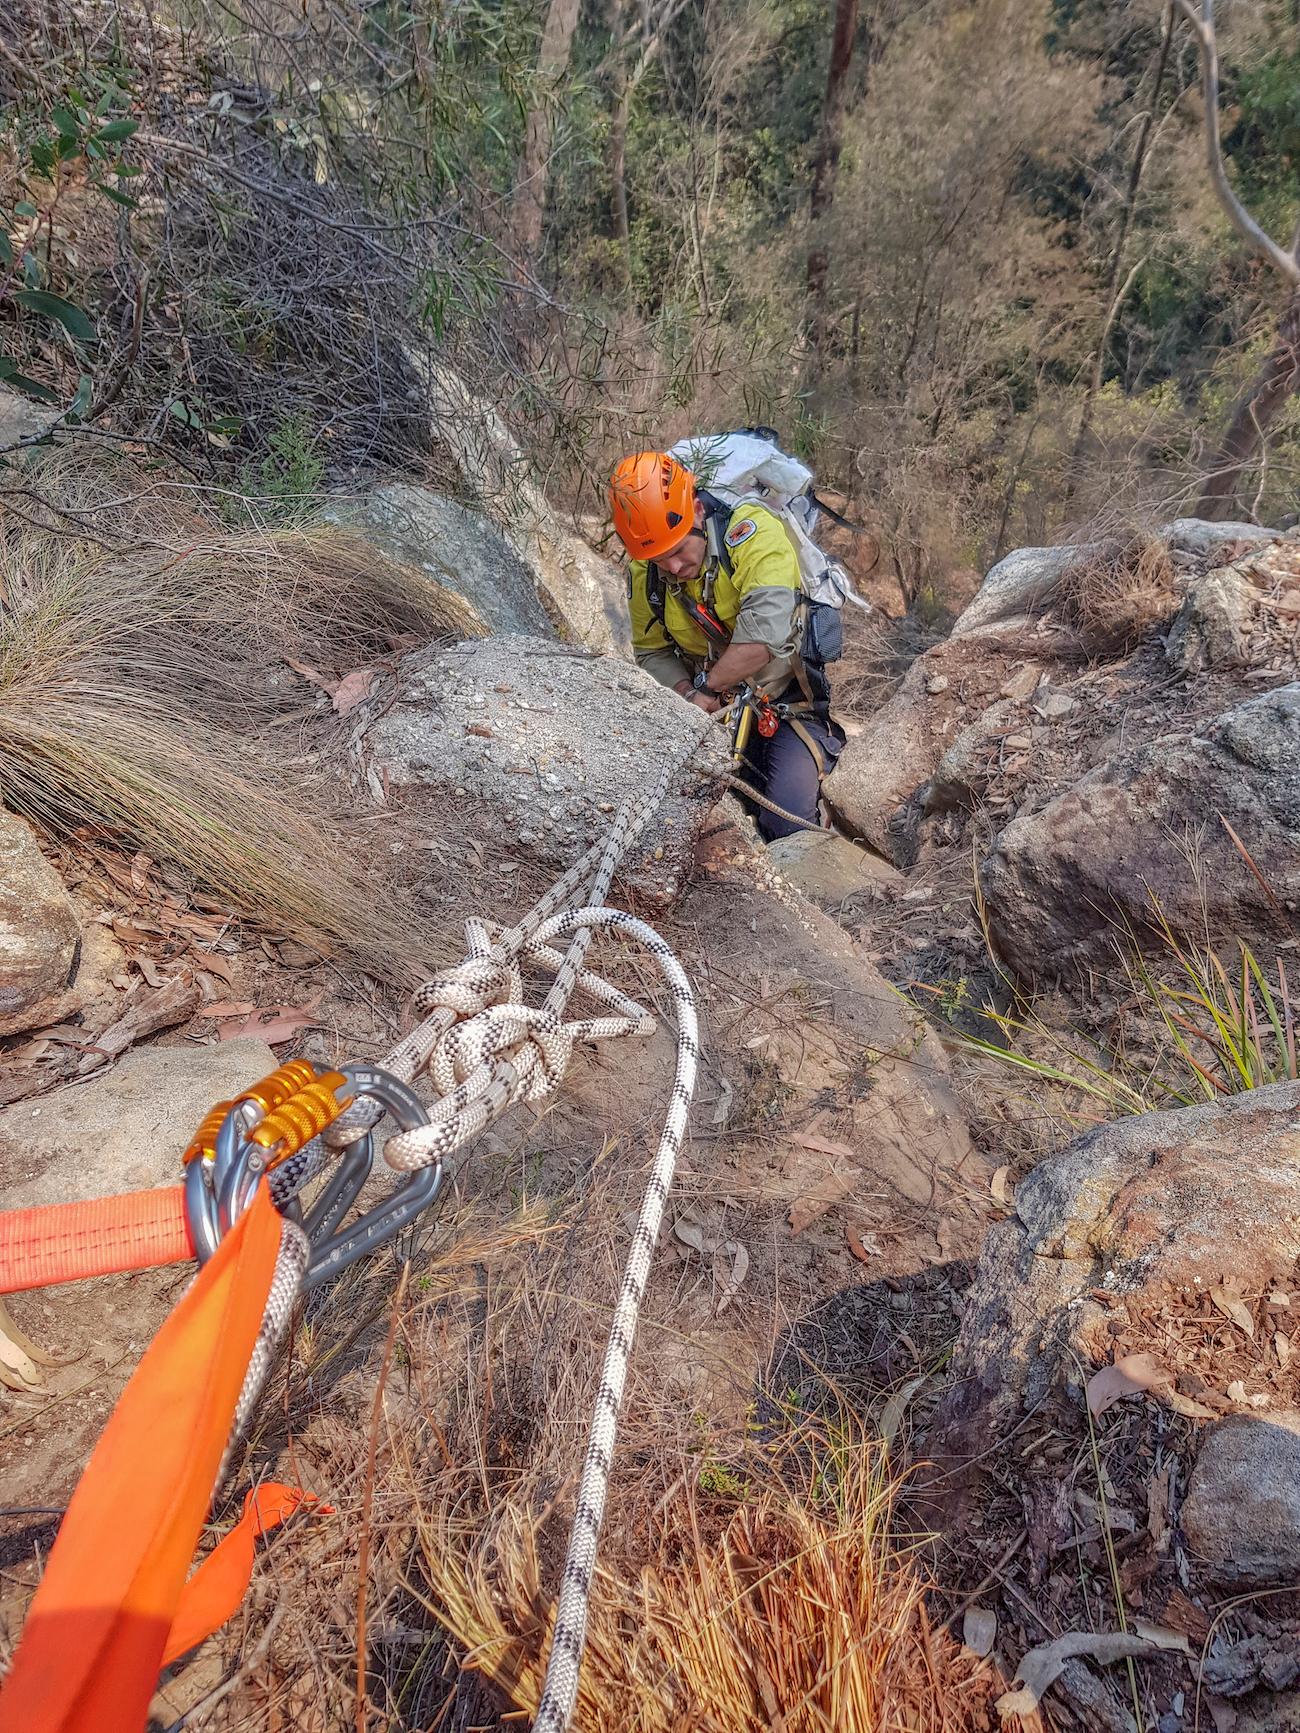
x=458 y=547
x=39 y=931
x=1057 y=880
x=1022 y=584
x=124 y=1130
x=1242 y=1512
x=1158 y=1203
x=535 y=747
x=1199 y=539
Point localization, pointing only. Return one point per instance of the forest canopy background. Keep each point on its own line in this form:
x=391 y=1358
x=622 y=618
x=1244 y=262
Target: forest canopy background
x=967 y=256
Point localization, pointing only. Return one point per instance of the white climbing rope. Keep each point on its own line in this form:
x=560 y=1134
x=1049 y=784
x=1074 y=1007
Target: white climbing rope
x=484 y=1049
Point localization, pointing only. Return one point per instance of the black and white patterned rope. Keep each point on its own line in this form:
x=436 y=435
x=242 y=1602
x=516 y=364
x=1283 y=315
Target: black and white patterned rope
x=485 y=1049
x=560 y=1689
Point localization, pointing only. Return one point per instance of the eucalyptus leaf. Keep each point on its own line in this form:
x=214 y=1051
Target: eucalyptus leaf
x=31 y=388
x=116 y=130
x=73 y=320
x=81 y=402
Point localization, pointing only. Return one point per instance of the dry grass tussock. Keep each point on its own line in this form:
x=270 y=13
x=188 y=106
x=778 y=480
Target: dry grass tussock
x=761 y=1595
x=749 y=1577
x=1119 y=593
x=144 y=693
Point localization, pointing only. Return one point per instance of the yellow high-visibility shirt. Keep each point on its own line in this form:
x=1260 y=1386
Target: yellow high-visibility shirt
x=757 y=602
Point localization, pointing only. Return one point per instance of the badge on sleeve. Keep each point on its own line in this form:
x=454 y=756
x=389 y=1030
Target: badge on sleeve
x=740 y=532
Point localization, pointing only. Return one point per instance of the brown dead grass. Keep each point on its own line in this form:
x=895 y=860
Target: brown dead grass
x=145 y=684
x=766 y=1597
x=749 y=1579
x=1119 y=594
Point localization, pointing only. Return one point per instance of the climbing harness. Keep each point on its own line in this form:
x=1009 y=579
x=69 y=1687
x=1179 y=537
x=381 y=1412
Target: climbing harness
x=755 y=712
x=96 y=1637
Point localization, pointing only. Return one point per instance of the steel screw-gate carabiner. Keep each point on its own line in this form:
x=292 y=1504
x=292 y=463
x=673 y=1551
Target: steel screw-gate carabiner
x=281 y=1118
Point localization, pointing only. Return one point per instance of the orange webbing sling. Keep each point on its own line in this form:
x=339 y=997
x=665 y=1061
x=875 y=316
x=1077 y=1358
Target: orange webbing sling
x=67 y=1242
x=100 y=1622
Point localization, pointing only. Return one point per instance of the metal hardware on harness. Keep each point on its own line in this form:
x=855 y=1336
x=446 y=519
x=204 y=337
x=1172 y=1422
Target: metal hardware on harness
x=219 y=1186
x=341 y=1248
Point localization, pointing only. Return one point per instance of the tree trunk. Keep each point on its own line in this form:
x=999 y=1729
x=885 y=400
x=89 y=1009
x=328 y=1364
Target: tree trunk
x=534 y=165
x=825 y=164
x=1256 y=410
x=618 y=167
x=1114 y=295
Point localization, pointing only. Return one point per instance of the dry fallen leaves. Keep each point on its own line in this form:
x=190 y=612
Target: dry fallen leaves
x=863 y=1246
x=739 y=1270
x=1140 y=1374
x=353 y=689
x=817 y=1200
x=1042 y=1666
x=272 y=1024
x=1229 y=1302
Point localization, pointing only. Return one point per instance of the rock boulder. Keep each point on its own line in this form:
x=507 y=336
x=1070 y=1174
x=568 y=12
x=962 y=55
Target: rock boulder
x=537 y=746
x=1242 y=1512
x=1057 y=880
x=122 y=1131
x=458 y=547
x=39 y=932
x=1150 y=1204
x=1022 y=584
x=831 y=871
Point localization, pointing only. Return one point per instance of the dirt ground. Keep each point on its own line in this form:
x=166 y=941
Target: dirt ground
x=823 y=1212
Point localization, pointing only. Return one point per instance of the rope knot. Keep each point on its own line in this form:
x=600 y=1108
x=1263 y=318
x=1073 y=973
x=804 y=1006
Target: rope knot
x=536 y=1044
x=470 y=987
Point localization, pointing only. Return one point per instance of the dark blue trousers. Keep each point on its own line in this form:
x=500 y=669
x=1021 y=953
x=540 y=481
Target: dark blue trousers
x=786 y=772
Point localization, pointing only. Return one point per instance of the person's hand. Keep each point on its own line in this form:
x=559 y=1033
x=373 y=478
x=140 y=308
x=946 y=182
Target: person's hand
x=709 y=702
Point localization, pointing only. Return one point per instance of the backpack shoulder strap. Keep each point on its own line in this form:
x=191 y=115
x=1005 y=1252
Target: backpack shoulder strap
x=655 y=594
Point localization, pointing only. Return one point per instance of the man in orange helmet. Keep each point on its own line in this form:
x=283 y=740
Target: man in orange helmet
x=716 y=600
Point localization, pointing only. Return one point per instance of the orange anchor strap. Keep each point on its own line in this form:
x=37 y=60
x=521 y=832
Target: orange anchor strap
x=67 y=1242
x=220 y=1583
x=99 y=1624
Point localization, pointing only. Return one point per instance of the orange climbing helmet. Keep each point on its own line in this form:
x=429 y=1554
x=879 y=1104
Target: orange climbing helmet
x=652 y=499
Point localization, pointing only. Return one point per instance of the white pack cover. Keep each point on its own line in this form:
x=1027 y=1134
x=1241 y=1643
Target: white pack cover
x=739 y=467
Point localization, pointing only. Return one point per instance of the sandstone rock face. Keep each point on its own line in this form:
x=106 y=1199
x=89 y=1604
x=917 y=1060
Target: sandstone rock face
x=831 y=871
x=1170 y=1199
x=1212 y=629
x=1017 y=587
x=1242 y=1511
x=880 y=769
x=123 y=1131
x=851 y=1049
x=1057 y=879
x=459 y=548
x=38 y=931
x=541 y=745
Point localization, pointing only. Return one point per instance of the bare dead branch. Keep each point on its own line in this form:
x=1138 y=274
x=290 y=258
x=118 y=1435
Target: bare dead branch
x=1202 y=22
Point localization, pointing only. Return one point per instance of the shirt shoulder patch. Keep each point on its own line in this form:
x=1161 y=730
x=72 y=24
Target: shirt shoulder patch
x=741 y=532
